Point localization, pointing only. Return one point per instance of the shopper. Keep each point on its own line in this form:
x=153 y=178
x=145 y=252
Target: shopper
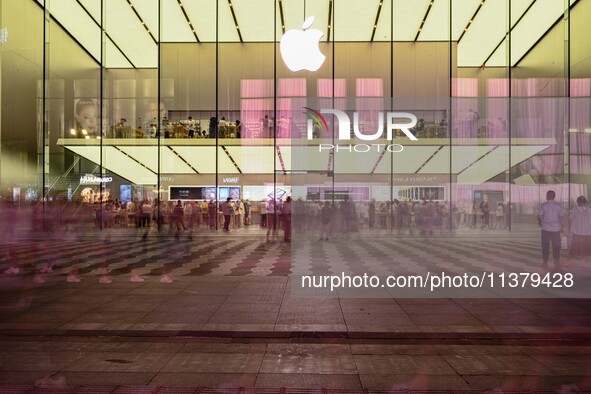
x=271 y=221
x=246 y=212
x=286 y=214
x=550 y=218
x=499 y=215
x=240 y=213
x=485 y=211
x=212 y=213
x=228 y=210
x=371 y=212
x=263 y=208
x=580 y=228
x=325 y=217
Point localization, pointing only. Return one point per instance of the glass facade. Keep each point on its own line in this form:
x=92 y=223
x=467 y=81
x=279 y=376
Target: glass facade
x=195 y=101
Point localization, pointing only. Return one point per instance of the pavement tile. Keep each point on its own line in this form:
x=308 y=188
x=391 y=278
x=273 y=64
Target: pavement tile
x=402 y=365
x=378 y=319
x=309 y=364
x=504 y=383
x=413 y=382
x=212 y=380
x=496 y=365
x=242 y=363
x=243 y=318
x=303 y=349
x=566 y=365
x=308 y=381
x=120 y=362
x=373 y=349
x=44 y=361
x=111 y=378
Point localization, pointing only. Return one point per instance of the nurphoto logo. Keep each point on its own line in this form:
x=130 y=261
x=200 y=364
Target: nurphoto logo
x=403 y=121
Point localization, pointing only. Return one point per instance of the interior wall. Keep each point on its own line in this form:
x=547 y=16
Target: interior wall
x=21 y=59
x=71 y=72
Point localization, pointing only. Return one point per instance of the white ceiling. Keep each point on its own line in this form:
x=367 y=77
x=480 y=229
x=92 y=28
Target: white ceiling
x=137 y=160
x=132 y=25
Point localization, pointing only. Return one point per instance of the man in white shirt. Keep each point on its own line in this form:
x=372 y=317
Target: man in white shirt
x=550 y=218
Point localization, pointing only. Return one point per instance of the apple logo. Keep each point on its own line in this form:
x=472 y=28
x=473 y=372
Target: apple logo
x=299 y=48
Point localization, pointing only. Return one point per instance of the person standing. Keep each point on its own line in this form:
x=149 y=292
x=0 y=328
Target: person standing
x=240 y=213
x=286 y=212
x=212 y=213
x=325 y=216
x=228 y=210
x=263 y=208
x=371 y=211
x=266 y=131
x=191 y=127
x=500 y=213
x=580 y=227
x=246 y=213
x=271 y=220
x=550 y=218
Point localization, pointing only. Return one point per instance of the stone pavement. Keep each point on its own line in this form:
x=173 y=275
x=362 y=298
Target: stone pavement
x=503 y=366
x=230 y=318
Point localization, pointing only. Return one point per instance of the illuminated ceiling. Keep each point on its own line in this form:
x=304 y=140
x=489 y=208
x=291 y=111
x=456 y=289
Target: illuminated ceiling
x=137 y=160
x=479 y=26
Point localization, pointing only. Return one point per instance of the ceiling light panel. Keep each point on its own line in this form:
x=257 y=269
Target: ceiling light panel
x=226 y=26
x=201 y=158
x=540 y=17
x=408 y=16
x=148 y=11
x=119 y=163
x=353 y=20
x=383 y=32
x=253 y=159
x=114 y=58
x=79 y=24
x=94 y=8
x=486 y=31
x=225 y=165
x=355 y=162
x=175 y=27
x=406 y=162
x=202 y=14
x=128 y=33
x=462 y=12
x=256 y=19
x=499 y=57
x=148 y=156
x=285 y=157
x=306 y=158
x=436 y=27
x=293 y=12
x=496 y=163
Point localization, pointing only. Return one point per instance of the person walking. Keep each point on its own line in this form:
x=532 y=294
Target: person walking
x=550 y=218
x=580 y=228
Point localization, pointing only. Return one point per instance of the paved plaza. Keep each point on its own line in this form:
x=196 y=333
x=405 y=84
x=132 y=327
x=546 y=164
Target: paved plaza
x=231 y=318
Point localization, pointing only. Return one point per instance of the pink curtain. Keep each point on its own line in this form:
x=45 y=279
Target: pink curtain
x=497 y=108
x=369 y=101
x=292 y=99
x=465 y=116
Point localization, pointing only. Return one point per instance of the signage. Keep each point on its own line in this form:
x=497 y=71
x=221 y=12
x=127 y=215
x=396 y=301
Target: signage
x=231 y=180
x=299 y=48
x=94 y=180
